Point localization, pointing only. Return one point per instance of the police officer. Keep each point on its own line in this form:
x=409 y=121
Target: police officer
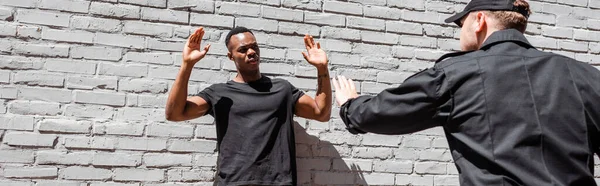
x=512 y=114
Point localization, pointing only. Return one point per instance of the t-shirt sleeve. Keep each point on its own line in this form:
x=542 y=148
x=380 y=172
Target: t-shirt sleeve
x=296 y=93
x=208 y=94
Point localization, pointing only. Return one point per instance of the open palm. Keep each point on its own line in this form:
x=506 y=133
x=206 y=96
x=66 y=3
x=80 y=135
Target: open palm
x=191 y=51
x=314 y=54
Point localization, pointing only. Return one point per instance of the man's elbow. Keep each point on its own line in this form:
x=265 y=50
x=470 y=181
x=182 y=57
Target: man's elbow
x=324 y=117
x=170 y=116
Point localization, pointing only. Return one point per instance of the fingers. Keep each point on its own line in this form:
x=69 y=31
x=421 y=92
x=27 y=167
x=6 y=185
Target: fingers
x=312 y=42
x=197 y=36
x=336 y=86
x=305 y=55
x=318 y=45
x=352 y=86
x=342 y=83
x=207 y=47
x=307 y=42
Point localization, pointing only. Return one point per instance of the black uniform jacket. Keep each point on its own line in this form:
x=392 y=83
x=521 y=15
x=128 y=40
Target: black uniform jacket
x=513 y=115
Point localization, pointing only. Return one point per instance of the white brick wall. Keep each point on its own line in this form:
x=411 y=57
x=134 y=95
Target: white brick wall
x=83 y=84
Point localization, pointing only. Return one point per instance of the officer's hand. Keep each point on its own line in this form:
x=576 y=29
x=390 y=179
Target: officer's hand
x=344 y=90
x=191 y=51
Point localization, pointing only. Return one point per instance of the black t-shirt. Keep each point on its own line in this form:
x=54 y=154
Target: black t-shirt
x=254 y=131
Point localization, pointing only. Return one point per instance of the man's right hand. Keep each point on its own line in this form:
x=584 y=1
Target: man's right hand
x=191 y=51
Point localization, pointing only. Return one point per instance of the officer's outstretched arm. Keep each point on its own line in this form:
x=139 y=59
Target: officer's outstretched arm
x=408 y=108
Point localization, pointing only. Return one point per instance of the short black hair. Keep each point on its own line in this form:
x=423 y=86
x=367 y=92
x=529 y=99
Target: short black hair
x=235 y=31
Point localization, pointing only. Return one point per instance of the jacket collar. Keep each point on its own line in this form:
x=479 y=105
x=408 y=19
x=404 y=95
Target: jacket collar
x=508 y=35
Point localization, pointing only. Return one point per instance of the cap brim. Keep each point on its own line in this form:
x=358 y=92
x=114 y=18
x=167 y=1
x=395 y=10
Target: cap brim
x=456 y=17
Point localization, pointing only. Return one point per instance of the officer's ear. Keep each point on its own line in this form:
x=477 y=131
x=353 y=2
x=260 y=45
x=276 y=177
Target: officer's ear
x=480 y=22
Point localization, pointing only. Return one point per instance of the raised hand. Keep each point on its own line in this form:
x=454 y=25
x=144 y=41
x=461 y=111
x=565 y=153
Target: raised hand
x=344 y=90
x=191 y=51
x=314 y=54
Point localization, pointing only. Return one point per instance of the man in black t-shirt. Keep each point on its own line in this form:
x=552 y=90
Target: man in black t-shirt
x=253 y=113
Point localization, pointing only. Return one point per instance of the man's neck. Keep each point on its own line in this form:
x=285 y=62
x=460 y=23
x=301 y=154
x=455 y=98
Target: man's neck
x=245 y=78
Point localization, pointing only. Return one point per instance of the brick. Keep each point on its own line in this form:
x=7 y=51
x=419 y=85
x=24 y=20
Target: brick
x=120 y=40
x=438 y=31
x=320 y=164
x=370 y=49
x=141 y=114
x=358 y=74
x=343 y=7
x=421 y=17
x=115 y=10
x=15 y=183
x=149 y=29
x=329 y=178
x=544 y=42
x=16 y=122
x=34 y=108
x=152 y=101
x=414 y=180
x=100 y=143
x=401 y=167
x=100 y=53
x=586 y=35
x=40 y=79
x=380 y=140
x=20 y=3
x=114 y=184
x=189 y=175
x=63 y=158
x=59 y=183
x=380 y=63
x=542 y=18
x=16 y=156
x=96 y=24
x=70 y=66
x=430 y=55
x=5 y=76
x=122 y=70
x=324 y=19
x=151 y=3
x=165 y=15
x=305 y=5
x=142 y=85
x=238 y=9
x=372 y=152
x=8 y=92
x=192 y=146
x=378 y=37
x=91 y=83
x=430 y=168
x=139 y=175
x=85 y=173
x=257 y=24
x=64 y=126
x=8 y=30
x=66 y=5
x=42 y=18
x=30 y=172
x=165 y=45
x=29 y=139
x=153 y=58
x=352 y=164
x=575 y=46
x=557 y=32
x=418 y=41
x=341 y=33
x=569 y=21
x=366 y=23
x=205 y=161
x=170 y=130
x=167 y=160
x=43 y=50
x=440 y=155
x=116 y=128
x=282 y=14
x=379 y=179
x=446 y=180
x=143 y=144
x=117 y=159
x=89 y=111
x=193 y=5
x=206 y=131
x=28 y=31
x=382 y=12
x=408 y=4
x=448 y=44
x=45 y=94
x=339 y=138
x=336 y=45
x=6 y=13
x=416 y=142
x=211 y=20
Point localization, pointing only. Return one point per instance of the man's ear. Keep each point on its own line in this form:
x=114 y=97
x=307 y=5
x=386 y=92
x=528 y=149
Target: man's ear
x=480 y=22
x=229 y=56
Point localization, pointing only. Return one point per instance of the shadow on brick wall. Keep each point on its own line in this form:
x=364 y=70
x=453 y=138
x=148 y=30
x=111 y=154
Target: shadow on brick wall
x=320 y=162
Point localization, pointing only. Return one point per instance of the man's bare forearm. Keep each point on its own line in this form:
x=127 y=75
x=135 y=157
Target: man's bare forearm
x=176 y=102
x=323 y=96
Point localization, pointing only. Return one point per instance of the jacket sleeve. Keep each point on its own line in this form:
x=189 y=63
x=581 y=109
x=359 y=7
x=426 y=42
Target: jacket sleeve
x=411 y=107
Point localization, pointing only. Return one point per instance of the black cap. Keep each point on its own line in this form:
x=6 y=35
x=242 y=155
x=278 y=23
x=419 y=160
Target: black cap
x=474 y=5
